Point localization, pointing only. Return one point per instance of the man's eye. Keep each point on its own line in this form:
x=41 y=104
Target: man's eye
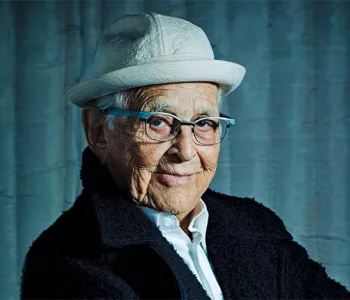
x=202 y=123
x=208 y=124
x=156 y=122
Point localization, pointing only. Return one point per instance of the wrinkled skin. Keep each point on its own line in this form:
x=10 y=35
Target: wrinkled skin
x=134 y=160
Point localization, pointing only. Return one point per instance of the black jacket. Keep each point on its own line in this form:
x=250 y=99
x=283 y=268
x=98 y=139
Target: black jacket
x=103 y=247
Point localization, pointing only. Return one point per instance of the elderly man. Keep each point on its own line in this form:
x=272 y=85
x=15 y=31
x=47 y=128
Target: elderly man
x=146 y=225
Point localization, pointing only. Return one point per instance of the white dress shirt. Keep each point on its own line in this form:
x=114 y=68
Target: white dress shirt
x=194 y=253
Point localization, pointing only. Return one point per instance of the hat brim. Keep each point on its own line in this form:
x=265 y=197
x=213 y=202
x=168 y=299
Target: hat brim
x=227 y=74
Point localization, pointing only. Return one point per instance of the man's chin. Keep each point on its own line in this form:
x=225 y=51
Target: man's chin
x=174 y=203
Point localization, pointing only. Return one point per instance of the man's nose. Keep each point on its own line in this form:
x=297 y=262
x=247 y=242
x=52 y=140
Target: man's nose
x=184 y=145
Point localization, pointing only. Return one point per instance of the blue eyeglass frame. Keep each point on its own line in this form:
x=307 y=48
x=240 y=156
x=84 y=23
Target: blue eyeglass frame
x=144 y=115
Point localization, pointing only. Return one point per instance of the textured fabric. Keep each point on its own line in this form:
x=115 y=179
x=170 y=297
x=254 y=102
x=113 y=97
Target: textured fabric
x=148 y=49
x=289 y=148
x=104 y=247
x=193 y=251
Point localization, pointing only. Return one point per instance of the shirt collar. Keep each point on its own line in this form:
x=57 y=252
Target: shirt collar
x=166 y=220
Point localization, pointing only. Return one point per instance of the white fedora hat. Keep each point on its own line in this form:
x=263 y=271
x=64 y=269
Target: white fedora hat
x=148 y=49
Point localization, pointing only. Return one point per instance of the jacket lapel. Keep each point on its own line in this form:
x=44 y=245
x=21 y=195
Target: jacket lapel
x=223 y=234
x=243 y=248
x=147 y=261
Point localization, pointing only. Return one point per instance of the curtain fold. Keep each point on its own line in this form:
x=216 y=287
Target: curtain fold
x=8 y=178
x=289 y=149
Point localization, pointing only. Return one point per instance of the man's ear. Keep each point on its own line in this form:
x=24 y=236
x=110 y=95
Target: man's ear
x=93 y=119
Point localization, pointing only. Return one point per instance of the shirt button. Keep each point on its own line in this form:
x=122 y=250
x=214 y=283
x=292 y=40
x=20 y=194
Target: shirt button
x=168 y=222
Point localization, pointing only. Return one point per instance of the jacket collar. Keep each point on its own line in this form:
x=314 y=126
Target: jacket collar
x=116 y=211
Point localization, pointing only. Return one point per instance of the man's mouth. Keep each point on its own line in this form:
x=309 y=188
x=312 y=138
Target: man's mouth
x=176 y=174
x=174 y=178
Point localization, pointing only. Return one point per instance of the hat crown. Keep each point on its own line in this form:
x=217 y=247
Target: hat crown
x=140 y=38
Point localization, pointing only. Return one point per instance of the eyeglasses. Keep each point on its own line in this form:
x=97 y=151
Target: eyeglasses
x=164 y=127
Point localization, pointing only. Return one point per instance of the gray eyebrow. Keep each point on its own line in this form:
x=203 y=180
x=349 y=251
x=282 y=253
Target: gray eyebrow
x=161 y=107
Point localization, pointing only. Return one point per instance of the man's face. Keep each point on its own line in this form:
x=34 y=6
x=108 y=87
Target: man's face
x=140 y=165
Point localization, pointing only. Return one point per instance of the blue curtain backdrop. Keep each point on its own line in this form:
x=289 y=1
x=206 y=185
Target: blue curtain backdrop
x=289 y=150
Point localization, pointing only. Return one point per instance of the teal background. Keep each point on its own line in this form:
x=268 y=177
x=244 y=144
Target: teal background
x=289 y=149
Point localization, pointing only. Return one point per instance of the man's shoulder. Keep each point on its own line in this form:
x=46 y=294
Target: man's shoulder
x=253 y=217
x=73 y=230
